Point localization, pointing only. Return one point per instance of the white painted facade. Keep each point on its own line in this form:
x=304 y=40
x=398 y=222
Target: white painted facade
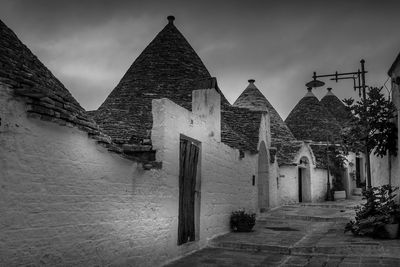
x=386 y=170
x=313 y=181
x=66 y=200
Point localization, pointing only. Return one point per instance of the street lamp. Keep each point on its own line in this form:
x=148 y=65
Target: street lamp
x=358 y=78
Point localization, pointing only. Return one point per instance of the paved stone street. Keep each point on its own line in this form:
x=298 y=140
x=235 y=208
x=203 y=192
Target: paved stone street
x=298 y=235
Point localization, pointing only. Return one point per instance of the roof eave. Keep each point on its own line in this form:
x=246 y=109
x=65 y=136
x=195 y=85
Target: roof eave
x=394 y=64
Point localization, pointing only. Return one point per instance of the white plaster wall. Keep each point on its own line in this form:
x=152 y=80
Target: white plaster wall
x=381 y=173
x=288 y=185
x=274 y=186
x=66 y=200
x=265 y=135
x=226 y=180
x=379 y=170
x=289 y=188
x=288 y=179
x=350 y=182
x=319 y=184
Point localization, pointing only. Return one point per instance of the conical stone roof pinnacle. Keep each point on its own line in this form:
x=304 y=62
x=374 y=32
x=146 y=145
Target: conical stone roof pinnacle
x=251 y=98
x=309 y=92
x=167 y=68
x=336 y=107
x=310 y=120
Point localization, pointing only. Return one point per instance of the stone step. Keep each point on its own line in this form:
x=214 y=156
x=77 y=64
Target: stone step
x=362 y=249
x=267 y=218
x=250 y=247
x=336 y=205
x=375 y=250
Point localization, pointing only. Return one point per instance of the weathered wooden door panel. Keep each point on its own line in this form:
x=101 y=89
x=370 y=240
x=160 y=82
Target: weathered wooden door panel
x=188 y=158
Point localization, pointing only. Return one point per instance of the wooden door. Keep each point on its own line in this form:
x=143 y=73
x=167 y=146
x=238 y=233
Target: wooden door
x=188 y=158
x=300 y=185
x=358 y=172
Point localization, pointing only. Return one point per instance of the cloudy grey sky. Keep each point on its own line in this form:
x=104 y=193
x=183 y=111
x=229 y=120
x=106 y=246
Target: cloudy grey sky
x=89 y=45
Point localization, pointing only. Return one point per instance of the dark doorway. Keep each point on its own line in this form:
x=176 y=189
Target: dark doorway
x=188 y=158
x=300 y=185
x=358 y=172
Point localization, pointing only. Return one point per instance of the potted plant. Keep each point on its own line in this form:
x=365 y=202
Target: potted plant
x=241 y=221
x=338 y=189
x=379 y=216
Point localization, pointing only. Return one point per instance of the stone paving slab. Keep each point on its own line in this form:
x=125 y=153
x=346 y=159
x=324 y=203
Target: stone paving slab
x=310 y=213
x=213 y=257
x=278 y=241
x=274 y=235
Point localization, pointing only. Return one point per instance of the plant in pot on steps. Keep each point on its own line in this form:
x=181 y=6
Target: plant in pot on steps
x=241 y=221
x=338 y=189
x=379 y=216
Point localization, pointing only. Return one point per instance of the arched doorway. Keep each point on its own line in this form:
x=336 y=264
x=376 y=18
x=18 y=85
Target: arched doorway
x=263 y=177
x=304 y=180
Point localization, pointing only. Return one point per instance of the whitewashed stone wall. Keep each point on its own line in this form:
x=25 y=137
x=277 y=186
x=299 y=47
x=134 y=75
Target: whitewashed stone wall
x=226 y=180
x=66 y=200
x=288 y=185
x=288 y=180
x=319 y=184
x=381 y=171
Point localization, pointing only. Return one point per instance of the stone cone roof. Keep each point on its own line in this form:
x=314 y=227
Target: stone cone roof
x=251 y=98
x=22 y=71
x=240 y=127
x=336 y=107
x=310 y=120
x=167 y=68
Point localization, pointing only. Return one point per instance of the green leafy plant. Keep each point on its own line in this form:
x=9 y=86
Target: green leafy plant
x=336 y=166
x=371 y=125
x=380 y=209
x=241 y=221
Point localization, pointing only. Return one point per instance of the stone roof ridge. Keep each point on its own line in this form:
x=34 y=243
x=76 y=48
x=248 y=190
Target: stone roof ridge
x=394 y=64
x=46 y=97
x=287 y=151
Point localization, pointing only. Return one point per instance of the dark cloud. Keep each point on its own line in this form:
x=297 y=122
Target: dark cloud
x=90 y=44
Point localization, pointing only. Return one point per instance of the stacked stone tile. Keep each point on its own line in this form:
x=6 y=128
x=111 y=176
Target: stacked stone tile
x=46 y=96
x=320 y=155
x=167 y=68
x=393 y=66
x=253 y=99
x=240 y=128
x=281 y=136
x=336 y=107
x=310 y=120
